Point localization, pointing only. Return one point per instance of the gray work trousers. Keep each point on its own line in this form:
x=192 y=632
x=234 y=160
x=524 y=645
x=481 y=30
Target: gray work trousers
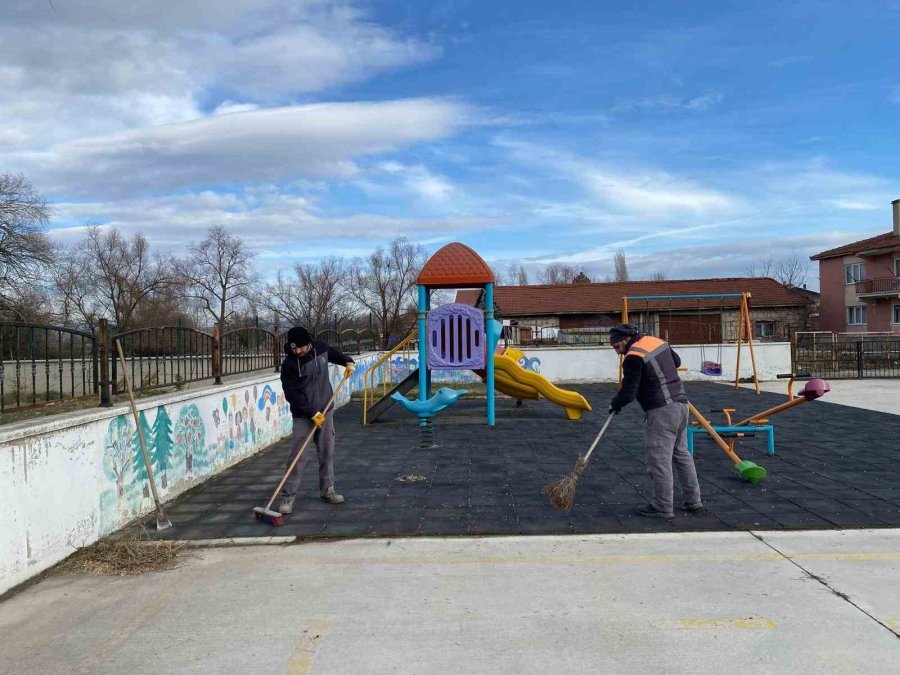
x=324 y=440
x=665 y=445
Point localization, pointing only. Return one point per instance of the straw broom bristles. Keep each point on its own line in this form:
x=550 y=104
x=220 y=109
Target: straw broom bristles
x=561 y=493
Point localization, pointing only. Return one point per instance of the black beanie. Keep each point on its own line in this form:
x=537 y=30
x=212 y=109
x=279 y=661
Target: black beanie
x=624 y=331
x=298 y=336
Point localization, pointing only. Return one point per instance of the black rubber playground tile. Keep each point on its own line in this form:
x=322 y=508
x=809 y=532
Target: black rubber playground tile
x=826 y=474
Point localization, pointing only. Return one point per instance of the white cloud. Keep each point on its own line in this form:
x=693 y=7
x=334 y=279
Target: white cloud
x=253 y=147
x=645 y=192
x=99 y=66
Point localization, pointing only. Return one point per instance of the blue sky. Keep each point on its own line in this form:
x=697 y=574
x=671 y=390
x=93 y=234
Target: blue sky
x=698 y=137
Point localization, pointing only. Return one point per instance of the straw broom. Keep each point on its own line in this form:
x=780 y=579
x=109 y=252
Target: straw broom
x=561 y=493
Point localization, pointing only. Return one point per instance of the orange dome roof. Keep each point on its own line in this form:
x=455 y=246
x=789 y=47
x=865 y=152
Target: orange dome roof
x=455 y=266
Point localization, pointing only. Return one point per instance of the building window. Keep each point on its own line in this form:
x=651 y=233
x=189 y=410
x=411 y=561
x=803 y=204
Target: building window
x=897 y=267
x=765 y=329
x=856 y=316
x=854 y=272
x=895 y=315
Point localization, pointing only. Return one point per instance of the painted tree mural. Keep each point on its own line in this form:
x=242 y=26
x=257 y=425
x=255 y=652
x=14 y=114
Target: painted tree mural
x=140 y=468
x=117 y=453
x=190 y=438
x=162 y=445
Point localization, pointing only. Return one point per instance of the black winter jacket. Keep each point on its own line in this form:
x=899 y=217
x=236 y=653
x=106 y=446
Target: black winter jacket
x=305 y=380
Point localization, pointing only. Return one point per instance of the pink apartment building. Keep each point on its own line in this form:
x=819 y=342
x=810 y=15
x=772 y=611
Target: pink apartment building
x=860 y=284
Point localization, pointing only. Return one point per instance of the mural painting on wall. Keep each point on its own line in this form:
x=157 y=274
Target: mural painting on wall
x=190 y=440
x=182 y=449
x=531 y=363
x=163 y=445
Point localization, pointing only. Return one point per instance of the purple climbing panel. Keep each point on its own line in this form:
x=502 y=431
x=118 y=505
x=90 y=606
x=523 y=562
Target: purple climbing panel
x=455 y=337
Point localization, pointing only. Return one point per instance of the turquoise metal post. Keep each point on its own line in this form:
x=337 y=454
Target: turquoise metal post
x=491 y=345
x=428 y=386
x=423 y=348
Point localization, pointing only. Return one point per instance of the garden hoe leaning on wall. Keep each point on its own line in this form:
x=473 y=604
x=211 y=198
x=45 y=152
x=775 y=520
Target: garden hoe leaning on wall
x=265 y=513
x=162 y=522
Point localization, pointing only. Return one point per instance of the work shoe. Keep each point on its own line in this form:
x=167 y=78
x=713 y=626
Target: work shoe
x=286 y=505
x=332 y=497
x=651 y=511
x=693 y=508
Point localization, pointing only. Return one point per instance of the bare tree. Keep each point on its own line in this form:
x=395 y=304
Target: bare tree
x=217 y=273
x=24 y=246
x=516 y=275
x=385 y=282
x=621 y=266
x=315 y=297
x=109 y=276
x=658 y=275
x=557 y=273
x=790 y=270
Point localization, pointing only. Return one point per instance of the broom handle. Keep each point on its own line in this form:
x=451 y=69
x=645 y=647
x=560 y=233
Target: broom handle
x=597 y=440
x=303 y=447
x=137 y=425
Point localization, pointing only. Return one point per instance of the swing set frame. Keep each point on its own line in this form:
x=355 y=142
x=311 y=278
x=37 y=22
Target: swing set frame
x=744 y=334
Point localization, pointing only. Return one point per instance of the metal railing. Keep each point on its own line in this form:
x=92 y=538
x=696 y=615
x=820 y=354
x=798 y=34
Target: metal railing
x=389 y=369
x=42 y=364
x=165 y=356
x=351 y=340
x=846 y=355
x=248 y=349
x=878 y=285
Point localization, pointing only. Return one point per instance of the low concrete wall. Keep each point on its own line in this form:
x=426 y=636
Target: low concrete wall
x=69 y=479
x=601 y=364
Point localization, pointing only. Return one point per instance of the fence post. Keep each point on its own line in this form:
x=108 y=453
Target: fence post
x=859 y=358
x=103 y=349
x=217 y=353
x=276 y=347
x=358 y=344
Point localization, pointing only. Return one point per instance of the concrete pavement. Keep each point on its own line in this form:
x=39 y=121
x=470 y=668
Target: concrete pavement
x=873 y=394
x=753 y=602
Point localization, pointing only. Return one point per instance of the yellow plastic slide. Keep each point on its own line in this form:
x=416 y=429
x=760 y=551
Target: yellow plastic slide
x=513 y=380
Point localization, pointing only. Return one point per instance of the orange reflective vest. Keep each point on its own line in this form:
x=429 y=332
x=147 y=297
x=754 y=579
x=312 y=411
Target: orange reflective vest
x=660 y=383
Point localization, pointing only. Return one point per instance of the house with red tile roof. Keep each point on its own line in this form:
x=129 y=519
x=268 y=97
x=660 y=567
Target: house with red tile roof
x=860 y=284
x=583 y=313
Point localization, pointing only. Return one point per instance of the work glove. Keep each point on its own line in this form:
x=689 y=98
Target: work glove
x=614 y=409
x=348 y=369
x=318 y=419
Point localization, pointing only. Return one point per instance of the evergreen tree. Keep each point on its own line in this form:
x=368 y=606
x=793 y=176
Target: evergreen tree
x=162 y=444
x=140 y=468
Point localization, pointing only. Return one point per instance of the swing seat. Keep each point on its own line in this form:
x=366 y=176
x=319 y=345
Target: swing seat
x=711 y=368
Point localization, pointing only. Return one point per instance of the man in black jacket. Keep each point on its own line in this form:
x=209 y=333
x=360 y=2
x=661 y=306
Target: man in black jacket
x=650 y=374
x=307 y=387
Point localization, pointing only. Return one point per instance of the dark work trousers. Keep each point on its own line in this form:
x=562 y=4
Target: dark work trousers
x=324 y=441
x=665 y=446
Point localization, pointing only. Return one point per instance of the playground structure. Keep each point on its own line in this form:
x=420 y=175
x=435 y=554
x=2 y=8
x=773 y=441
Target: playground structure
x=758 y=423
x=458 y=337
x=712 y=368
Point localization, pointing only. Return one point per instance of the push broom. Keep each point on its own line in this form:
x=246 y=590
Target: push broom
x=561 y=493
x=265 y=513
x=162 y=522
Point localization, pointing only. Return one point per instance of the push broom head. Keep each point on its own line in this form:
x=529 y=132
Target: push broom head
x=268 y=516
x=561 y=493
